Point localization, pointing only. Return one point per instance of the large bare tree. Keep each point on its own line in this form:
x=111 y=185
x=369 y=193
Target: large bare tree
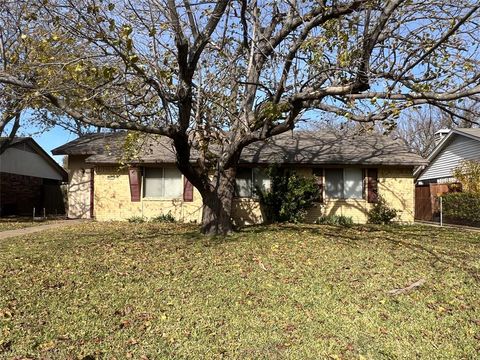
x=216 y=76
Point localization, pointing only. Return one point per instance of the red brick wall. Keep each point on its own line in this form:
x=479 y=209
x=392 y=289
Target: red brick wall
x=19 y=194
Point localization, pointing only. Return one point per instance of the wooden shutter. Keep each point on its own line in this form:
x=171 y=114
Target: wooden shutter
x=135 y=178
x=364 y=184
x=187 y=190
x=372 y=185
x=318 y=173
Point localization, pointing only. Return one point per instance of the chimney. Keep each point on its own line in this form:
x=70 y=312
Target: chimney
x=439 y=135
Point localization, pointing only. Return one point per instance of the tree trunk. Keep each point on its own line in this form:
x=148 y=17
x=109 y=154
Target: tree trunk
x=217 y=204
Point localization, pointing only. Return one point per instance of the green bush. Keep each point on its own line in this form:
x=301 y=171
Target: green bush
x=289 y=196
x=164 y=218
x=136 y=219
x=336 y=220
x=381 y=213
x=462 y=208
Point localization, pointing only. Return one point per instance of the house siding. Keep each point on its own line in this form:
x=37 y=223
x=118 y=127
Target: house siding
x=23 y=160
x=112 y=200
x=459 y=148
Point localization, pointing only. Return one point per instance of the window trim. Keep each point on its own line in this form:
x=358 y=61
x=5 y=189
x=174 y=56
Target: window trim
x=161 y=198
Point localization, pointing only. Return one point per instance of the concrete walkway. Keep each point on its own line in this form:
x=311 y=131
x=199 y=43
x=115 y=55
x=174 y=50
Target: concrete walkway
x=33 y=229
x=452 y=226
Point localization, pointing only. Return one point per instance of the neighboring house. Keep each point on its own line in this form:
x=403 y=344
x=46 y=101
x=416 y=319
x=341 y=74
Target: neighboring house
x=29 y=178
x=453 y=147
x=352 y=172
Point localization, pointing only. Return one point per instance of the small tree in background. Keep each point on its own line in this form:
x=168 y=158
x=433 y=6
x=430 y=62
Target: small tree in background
x=468 y=173
x=289 y=196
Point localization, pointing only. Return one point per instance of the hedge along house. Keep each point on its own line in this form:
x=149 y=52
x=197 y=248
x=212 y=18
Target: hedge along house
x=351 y=171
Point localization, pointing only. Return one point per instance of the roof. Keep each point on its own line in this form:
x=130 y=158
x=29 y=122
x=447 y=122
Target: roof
x=308 y=148
x=16 y=141
x=472 y=133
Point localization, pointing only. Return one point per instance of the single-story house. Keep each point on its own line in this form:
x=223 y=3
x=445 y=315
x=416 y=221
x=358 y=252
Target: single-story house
x=453 y=147
x=352 y=171
x=30 y=178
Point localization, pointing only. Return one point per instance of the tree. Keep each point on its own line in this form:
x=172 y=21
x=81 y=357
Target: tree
x=468 y=174
x=217 y=76
x=417 y=126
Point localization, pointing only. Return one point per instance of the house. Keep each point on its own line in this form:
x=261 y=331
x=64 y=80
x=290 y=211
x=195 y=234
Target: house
x=29 y=178
x=352 y=171
x=453 y=147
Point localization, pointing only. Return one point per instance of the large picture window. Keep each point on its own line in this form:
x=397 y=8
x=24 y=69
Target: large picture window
x=164 y=183
x=344 y=183
x=249 y=180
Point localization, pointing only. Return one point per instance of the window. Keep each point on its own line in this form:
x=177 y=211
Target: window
x=334 y=183
x=165 y=183
x=249 y=180
x=344 y=183
x=353 y=183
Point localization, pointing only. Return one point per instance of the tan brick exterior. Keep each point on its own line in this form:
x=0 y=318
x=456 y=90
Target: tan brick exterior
x=79 y=174
x=112 y=199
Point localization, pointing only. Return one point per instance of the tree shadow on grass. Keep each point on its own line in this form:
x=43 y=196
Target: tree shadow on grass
x=418 y=240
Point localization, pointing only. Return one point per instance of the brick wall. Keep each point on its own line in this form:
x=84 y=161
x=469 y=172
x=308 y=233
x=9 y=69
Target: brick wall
x=19 y=194
x=112 y=199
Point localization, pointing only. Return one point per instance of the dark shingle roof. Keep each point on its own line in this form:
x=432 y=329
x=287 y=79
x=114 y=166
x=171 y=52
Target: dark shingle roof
x=307 y=148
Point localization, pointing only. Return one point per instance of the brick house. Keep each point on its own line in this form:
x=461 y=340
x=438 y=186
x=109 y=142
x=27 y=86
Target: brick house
x=352 y=171
x=29 y=178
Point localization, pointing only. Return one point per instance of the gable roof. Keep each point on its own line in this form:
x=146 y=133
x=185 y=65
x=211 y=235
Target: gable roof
x=469 y=133
x=307 y=148
x=29 y=142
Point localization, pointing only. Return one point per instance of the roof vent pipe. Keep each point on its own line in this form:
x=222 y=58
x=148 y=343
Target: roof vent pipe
x=440 y=134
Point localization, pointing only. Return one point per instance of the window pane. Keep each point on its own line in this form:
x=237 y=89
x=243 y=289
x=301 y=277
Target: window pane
x=353 y=183
x=261 y=180
x=243 y=183
x=153 y=182
x=173 y=183
x=334 y=183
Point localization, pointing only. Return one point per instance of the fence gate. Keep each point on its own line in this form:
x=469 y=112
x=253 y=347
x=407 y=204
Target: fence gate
x=423 y=203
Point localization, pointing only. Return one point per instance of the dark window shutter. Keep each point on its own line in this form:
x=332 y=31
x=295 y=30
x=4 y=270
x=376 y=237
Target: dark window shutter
x=318 y=173
x=364 y=184
x=187 y=190
x=372 y=184
x=135 y=177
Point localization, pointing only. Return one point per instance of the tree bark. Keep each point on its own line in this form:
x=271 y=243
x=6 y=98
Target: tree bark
x=217 y=204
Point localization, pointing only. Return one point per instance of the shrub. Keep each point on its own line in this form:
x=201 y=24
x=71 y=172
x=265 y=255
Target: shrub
x=468 y=174
x=336 y=220
x=136 y=219
x=381 y=213
x=164 y=218
x=462 y=208
x=289 y=196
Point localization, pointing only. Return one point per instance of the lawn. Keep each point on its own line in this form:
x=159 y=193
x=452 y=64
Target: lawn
x=20 y=223
x=150 y=291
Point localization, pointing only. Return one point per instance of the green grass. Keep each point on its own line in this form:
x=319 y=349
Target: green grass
x=301 y=292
